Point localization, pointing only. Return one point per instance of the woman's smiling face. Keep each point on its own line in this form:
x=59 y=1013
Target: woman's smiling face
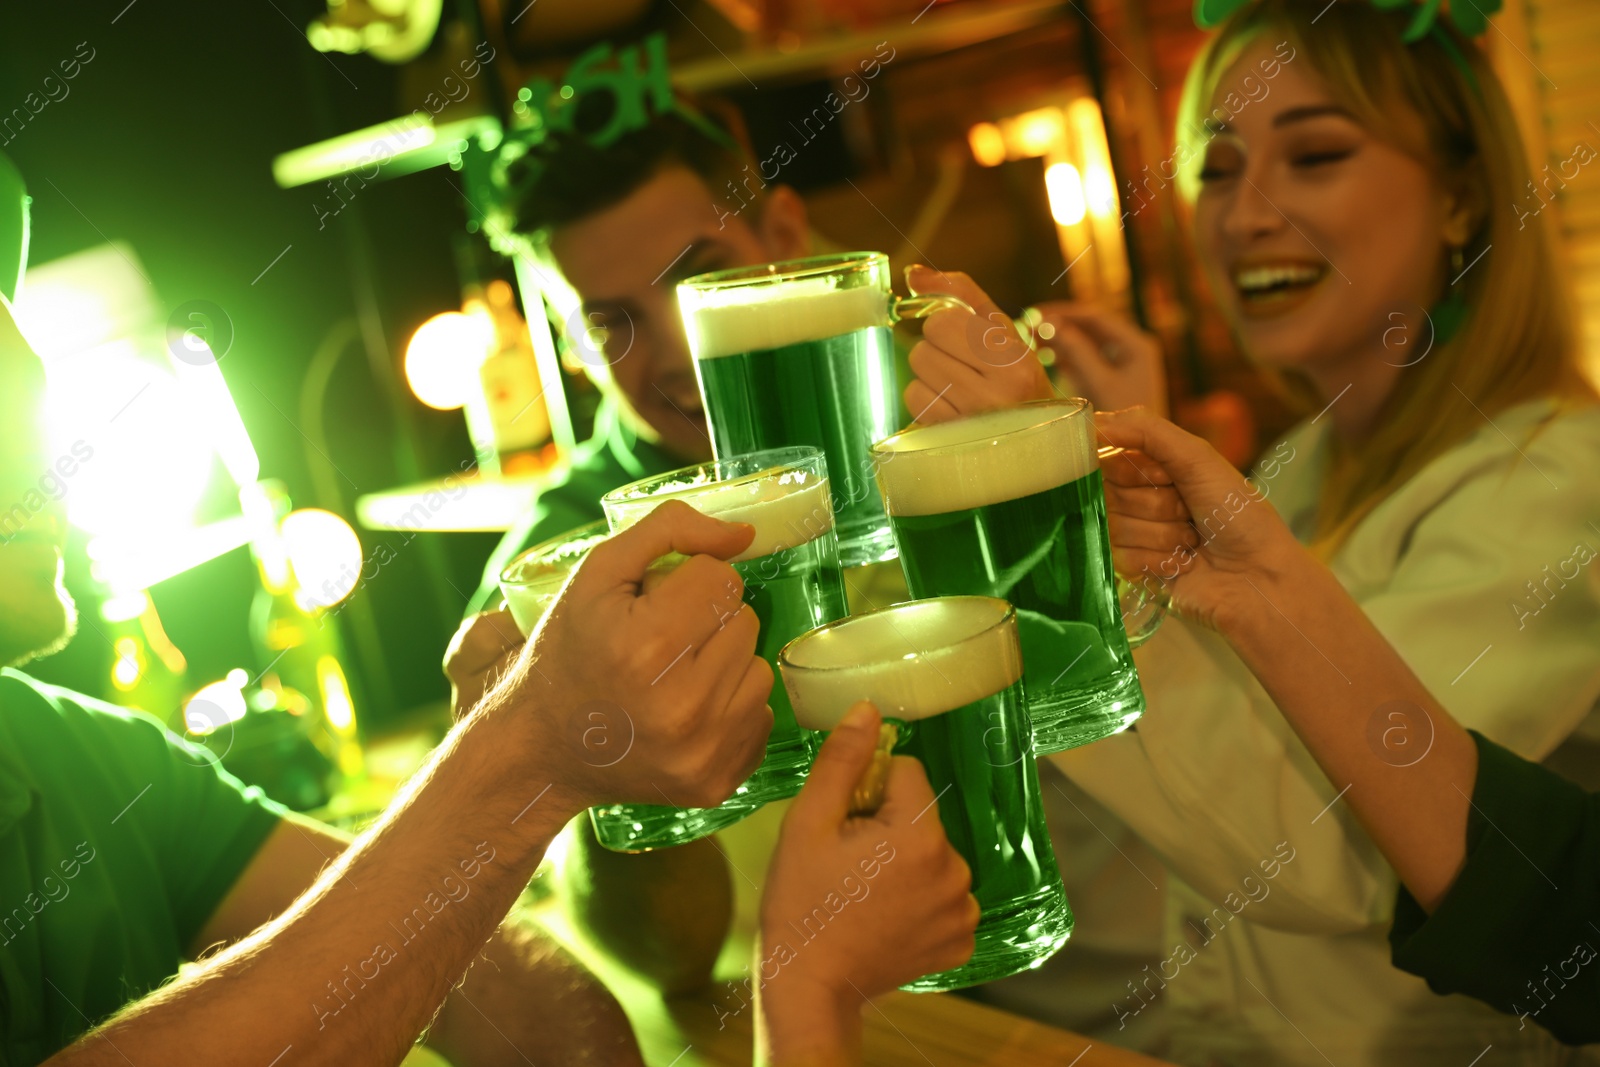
x=1315 y=235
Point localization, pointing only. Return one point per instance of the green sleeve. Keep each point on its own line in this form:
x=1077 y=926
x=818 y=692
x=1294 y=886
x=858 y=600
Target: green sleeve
x=200 y=823
x=1518 y=929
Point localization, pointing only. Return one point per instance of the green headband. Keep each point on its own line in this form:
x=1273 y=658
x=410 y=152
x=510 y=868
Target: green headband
x=639 y=85
x=1470 y=16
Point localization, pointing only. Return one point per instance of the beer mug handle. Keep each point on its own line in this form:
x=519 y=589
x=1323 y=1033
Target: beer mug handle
x=1142 y=610
x=920 y=307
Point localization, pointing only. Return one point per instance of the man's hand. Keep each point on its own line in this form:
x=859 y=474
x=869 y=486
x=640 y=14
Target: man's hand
x=483 y=648
x=855 y=906
x=968 y=361
x=646 y=695
x=1103 y=356
x=1181 y=514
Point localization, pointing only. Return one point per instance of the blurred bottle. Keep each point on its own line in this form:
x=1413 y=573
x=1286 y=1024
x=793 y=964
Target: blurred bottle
x=511 y=387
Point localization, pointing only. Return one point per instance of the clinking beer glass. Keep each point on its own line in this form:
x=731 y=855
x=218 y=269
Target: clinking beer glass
x=948 y=672
x=792 y=581
x=532 y=581
x=1011 y=504
x=799 y=353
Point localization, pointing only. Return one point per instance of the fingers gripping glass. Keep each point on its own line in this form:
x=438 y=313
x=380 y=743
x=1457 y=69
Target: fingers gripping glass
x=792 y=581
x=949 y=672
x=1011 y=504
x=800 y=353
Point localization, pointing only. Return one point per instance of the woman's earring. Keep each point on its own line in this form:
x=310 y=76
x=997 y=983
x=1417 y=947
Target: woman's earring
x=1451 y=311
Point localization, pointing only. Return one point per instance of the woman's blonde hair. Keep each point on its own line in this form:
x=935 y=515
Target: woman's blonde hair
x=1518 y=340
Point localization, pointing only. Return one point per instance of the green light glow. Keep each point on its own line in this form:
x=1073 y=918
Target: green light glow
x=151 y=456
x=137 y=426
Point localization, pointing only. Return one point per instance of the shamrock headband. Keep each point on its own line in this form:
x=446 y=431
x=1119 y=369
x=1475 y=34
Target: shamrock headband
x=633 y=80
x=1471 y=17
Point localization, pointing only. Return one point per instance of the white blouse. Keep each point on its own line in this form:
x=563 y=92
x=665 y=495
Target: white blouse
x=1277 y=904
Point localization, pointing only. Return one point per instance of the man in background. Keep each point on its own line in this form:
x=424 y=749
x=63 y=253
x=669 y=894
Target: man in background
x=616 y=228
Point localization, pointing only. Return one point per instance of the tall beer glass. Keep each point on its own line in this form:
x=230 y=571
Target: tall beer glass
x=1011 y=504
x=792 y=581
x=950 y=670
x=799 y=353
x=531 y=582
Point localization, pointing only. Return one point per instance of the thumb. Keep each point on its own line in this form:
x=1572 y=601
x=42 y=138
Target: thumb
x=845 y=756
x=1197 y=469
x=672 y=527
x=480 y=642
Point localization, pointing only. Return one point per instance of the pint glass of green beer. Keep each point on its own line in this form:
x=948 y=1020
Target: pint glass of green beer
x=1011 y=504
x=799 y=353
x=793 y=582
x=532 y=581
x=949 y=670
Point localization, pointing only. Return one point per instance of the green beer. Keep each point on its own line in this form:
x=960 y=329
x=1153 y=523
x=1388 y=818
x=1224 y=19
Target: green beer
x=800 y=353
x=1010 y=504
x=950 y=670
x=792 y=581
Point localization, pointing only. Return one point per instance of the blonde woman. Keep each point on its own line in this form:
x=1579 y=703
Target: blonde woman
x=1360 y=229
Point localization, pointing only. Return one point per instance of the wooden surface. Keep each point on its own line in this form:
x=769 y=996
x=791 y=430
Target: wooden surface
x=902 y=1030
x=715 y=1028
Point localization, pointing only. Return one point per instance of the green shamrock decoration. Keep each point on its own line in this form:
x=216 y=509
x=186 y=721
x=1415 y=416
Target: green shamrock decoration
x=1470 y=16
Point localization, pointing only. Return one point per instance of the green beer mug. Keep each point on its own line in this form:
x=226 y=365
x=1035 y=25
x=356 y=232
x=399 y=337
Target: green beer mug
x=792 y=581
x=531 y=581
x=800 y=353
x=949 y=670
x=1011 y=504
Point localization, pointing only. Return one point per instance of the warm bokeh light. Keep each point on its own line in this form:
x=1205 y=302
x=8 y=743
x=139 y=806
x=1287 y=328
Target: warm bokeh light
x=1034 y=133
x=1065 y=188
x=443 y=357
x=217 y=704
x=325 y=553
x=1100 y=192
x=988 y=144
x=127 y=665
x=335 y=695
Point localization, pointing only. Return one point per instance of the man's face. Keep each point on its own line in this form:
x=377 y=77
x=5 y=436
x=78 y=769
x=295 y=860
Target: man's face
x=36 y=614
x=625 y=263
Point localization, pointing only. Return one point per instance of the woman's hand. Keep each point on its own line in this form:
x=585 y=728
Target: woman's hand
x=1103 y=356
x=968 y=361
x=855 y=906
x=1181 y=515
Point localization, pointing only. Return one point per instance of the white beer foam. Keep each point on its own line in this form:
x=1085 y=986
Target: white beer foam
x=747 y=318
x=787 y=507
x=914 y=660
x=985 y=459
x=531 y=581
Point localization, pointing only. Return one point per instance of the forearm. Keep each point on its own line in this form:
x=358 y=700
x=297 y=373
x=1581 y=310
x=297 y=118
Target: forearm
x=799 y=1023
x=358 y=966
x=662 y=914
x=526 y=999
x=1408 y=767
